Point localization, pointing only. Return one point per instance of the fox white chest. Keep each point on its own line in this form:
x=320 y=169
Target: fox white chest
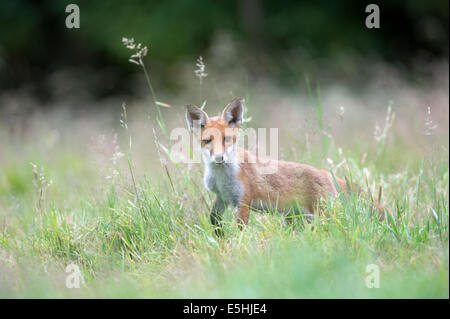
x=222 y=180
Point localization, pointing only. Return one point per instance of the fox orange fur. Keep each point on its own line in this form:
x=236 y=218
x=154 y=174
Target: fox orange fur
x=235 y=176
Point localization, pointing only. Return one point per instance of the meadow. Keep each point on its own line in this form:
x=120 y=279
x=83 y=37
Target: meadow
x=98 y=189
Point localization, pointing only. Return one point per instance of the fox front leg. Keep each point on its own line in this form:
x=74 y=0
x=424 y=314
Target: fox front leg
x=216 y=216
x=242 y=215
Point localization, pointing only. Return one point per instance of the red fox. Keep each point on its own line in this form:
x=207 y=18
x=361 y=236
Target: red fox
x=233 y=174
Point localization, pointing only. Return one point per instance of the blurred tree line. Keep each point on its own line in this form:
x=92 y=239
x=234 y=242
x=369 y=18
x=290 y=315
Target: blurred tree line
x=278 y=37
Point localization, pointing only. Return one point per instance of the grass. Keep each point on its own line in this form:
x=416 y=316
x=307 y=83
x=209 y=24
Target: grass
x=149 y=240
x=146 y=233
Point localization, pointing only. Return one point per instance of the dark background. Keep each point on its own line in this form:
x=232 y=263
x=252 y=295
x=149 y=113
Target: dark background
x=281 y=39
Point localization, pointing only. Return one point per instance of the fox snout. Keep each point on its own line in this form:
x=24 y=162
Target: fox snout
x=218 y=159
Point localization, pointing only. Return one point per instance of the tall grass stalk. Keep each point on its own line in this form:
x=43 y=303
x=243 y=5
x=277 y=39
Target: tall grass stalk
x=316 y=102
x=140 y=52
x=381 y=134
x=124 y=123
x=200 y=73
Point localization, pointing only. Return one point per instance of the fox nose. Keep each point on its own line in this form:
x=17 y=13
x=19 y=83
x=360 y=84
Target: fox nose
x=218 y=158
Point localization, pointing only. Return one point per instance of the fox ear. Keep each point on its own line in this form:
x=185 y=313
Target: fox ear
x=234 y=112
x=194 y=113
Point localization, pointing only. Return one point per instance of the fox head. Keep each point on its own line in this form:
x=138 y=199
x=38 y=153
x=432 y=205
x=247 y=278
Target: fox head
x=217 y=135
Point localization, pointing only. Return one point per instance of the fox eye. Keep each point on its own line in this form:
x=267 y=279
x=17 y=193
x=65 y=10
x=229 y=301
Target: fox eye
x=227 y=139
x=207 y=141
